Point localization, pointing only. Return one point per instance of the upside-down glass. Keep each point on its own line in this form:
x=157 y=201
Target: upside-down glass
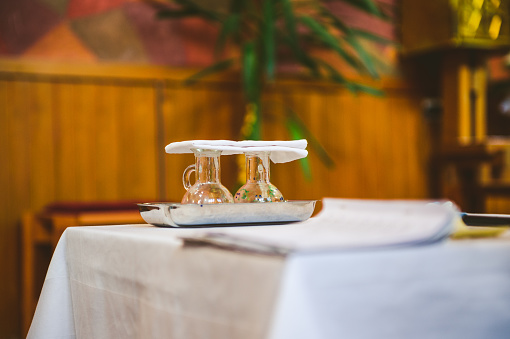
x=207 y=188
x=258 y=188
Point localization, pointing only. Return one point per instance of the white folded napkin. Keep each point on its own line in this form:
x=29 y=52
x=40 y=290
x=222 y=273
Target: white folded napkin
x=280 y=151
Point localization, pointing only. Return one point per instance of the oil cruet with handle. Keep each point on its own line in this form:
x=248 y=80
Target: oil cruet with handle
x=207 y=188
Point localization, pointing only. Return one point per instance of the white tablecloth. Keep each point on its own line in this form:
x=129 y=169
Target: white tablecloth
x=138 y=281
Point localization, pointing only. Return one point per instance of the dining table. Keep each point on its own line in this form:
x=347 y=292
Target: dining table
x=143 y=281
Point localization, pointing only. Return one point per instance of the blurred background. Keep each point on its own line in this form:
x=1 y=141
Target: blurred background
x=92 y=90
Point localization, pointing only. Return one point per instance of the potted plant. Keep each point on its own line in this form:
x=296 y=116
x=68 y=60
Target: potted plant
x=263 y=29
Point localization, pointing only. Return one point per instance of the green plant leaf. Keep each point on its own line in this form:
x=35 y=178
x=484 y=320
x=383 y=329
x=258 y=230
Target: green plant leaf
x=176 y=14
x=291 y=38
x=352 y=86
x=306 y=168
x=228 y=27
x=300 y=56
x=290 y=23
x=250 y=72
x=269 y=39
x=188 y=5
x=363 y=55
x=337 y=23
x=335 y=76
x=371 y=36
x=368 y=89
x=350 y=36
x=298 y=130
x=368 y=6
x=296 y=134
x=217 y=67
x=332 y=42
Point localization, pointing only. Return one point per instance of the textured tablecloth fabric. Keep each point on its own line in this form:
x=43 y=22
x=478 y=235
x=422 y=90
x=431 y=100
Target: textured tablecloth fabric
x=139 y=282
x=448 y=290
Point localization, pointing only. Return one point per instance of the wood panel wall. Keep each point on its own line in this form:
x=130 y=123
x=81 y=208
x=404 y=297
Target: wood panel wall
x=81 y=133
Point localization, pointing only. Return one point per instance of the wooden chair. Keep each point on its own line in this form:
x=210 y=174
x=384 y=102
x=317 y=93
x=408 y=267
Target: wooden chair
x=41 y=232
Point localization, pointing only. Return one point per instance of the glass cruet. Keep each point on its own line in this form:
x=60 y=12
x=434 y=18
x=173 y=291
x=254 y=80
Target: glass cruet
x=258 y=188
x=207 y=188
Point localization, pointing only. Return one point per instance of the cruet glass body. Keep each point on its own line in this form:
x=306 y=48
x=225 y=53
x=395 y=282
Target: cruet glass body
x=258 y=188
x=207 y=188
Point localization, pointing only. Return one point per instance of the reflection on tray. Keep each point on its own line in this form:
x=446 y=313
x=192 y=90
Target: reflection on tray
x=192 y=215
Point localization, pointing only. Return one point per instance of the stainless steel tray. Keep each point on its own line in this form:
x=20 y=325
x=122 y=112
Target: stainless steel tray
x=191 y=215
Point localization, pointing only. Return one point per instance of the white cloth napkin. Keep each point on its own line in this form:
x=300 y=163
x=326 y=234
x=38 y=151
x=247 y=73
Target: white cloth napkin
x=280 y=151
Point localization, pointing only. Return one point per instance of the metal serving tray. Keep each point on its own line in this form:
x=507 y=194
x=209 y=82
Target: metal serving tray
x=217 y=215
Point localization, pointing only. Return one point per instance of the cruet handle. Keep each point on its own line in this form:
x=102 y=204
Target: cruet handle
x=186 y=176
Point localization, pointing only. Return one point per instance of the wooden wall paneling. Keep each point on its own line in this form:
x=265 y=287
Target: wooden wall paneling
x=9 y=307
x=203 y=111
x=214 y=113
x=329 y=131
x=179 y=117
x=137 y=144
x=85 y=139
x=17 y=198
x=274 y=114
x=18 y=112
x=175 y=128
x=384 y=147
x=108 y=120
x=387 y=130
x=397 y=164
x=40 y=133
x=419 y=149
x=371 y=164
x=223 y=116
x=66 y=153
x=340 y=127
x=316 y=113
x=283 y=175
x=352 y=132
x=409 y=152
x=288 y=177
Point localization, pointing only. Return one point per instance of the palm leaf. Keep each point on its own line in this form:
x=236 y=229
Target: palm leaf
x=217 y=67
x=230 y=25
x=368 y=6
x=332 y=42
x=291 y=38
x=176 y=14
x=296 y=134
x=335 y=76
x=269 y=39
x=188 y=5
x=350 y=35
x=352 y=86
x=367 y=89
x=363 y=55
x=371 y=36
x=290 y=23
x=250 y=72
x=298 y=128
